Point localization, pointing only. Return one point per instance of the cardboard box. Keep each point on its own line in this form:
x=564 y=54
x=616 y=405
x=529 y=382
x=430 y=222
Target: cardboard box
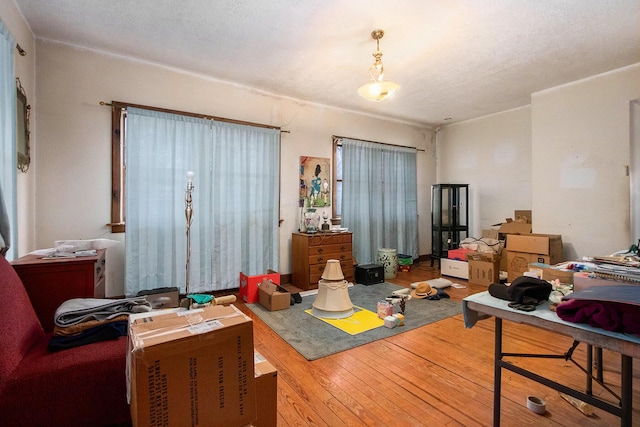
x=520 y=225
x=191 y=367
x=271 y=298
x=484 y=268
x=460 y=254
x=523 y=216
x=455 y=268
x=551 y=272
x=266 y=377
x=249 y=285
x=523 y=249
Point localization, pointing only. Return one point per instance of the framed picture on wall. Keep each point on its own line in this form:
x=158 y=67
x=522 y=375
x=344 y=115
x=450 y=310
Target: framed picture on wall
x=22 y=128
x=315 y=181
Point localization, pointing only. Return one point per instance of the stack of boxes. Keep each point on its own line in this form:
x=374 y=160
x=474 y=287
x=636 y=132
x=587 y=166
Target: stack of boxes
x=198 y=367
x=524 y=250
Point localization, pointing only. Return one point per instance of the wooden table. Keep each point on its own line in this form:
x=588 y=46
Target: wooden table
x=483 y=305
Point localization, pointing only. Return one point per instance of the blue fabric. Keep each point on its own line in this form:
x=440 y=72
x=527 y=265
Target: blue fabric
x=235 y=201
x=107 y=331
x=8 y=153
x=379 y=198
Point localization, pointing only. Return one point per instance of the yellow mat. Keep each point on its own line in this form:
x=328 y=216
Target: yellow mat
x=361 y=321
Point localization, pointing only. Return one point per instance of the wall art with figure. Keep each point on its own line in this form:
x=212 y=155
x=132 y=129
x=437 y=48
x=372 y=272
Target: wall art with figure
x=315 y=181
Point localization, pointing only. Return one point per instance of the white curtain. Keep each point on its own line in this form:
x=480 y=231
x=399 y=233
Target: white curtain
x=8 y=155
x=235 y=201
x=379 y=198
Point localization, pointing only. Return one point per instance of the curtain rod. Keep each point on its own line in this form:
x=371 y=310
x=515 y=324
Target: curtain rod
x=118 y=104
x=377 y=142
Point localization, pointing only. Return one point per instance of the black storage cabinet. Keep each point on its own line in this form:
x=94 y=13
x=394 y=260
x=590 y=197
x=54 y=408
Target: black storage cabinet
x=449 y=218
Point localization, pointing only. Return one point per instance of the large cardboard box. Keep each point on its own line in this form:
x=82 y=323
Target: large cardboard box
x=249 y=285
x=551 y=272
x=454 y=267
x=266 y=377
x=484 y=268
x=523 y=249
x=191 y=367
x=271 y=298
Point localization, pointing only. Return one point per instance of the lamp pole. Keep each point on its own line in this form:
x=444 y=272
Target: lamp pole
x=188 y=213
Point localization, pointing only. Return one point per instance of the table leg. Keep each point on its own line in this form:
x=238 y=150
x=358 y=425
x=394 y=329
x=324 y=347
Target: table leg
x=497 y=373
x=599 y=366
x=589 y=369
x=626 y=373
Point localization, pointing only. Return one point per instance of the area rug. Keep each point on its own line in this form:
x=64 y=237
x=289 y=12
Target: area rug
x=362 y=320
x=314 y=338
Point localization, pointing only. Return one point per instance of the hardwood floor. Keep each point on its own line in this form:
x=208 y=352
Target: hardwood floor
x=437 y=375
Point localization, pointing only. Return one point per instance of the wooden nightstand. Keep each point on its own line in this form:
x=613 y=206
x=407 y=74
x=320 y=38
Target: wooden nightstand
x=50 y=282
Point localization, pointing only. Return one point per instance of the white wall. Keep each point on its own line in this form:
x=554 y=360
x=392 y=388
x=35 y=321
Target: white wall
x=74 y=145
x=493 y=155
x=25 y=71
x=564 y=157
x=580 y=153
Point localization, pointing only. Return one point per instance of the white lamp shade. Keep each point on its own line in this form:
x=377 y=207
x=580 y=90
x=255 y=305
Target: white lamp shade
x=333 y=300
x=378 y=90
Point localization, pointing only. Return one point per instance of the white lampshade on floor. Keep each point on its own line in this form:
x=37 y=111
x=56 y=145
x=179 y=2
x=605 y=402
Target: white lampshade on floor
x=332 y=300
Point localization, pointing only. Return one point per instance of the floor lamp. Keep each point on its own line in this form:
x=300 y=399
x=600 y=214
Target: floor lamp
x=188 y=213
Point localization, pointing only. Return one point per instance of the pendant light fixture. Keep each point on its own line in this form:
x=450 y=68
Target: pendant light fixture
x=378 y=88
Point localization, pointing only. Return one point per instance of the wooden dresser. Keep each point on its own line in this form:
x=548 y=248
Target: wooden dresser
x=50 y=282
x=310 y=253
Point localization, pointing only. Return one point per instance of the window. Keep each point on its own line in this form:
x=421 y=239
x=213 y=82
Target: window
x=337 y=182
x=235 y=209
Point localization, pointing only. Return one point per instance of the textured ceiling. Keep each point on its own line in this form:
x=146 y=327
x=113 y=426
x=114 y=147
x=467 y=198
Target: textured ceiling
x=456 y=59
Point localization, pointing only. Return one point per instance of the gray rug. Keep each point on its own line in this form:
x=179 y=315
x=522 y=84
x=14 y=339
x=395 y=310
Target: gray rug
x=314 y=339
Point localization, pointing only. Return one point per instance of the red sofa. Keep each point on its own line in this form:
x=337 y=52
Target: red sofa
x=81 y=386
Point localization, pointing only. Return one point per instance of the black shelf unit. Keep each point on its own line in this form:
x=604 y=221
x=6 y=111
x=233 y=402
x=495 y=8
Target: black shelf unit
x=449 y=218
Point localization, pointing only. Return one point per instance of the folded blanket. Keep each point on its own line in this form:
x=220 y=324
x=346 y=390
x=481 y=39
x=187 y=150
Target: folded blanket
x=609 y=316
x=77 y=310
x=107 y=331
x=77 y=329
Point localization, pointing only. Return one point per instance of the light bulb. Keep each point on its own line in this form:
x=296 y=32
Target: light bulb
x=190 y=176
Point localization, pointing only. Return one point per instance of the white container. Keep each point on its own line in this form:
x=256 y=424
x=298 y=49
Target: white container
x=388 y=258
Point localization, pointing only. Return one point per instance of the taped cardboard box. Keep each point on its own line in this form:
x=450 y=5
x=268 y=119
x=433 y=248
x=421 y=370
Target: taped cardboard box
x=484 y=268
x=266 y=377
x=191 y=367
x=552 y=272
x=523 y=249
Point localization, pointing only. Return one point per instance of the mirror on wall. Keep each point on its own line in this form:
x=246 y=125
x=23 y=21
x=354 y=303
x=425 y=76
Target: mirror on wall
x=23 y=110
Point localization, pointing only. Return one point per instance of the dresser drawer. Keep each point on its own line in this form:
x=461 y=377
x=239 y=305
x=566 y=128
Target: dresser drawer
x=322 y=259
x=327 y=250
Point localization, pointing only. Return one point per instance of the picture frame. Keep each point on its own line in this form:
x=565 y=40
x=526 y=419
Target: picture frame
x=315 y=182
x=23 y=112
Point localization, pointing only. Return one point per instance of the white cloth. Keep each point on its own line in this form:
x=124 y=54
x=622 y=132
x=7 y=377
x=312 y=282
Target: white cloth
x=77 y=310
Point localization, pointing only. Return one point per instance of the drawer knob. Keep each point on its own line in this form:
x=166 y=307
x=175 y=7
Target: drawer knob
x=320 y=250
x=320 y=259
